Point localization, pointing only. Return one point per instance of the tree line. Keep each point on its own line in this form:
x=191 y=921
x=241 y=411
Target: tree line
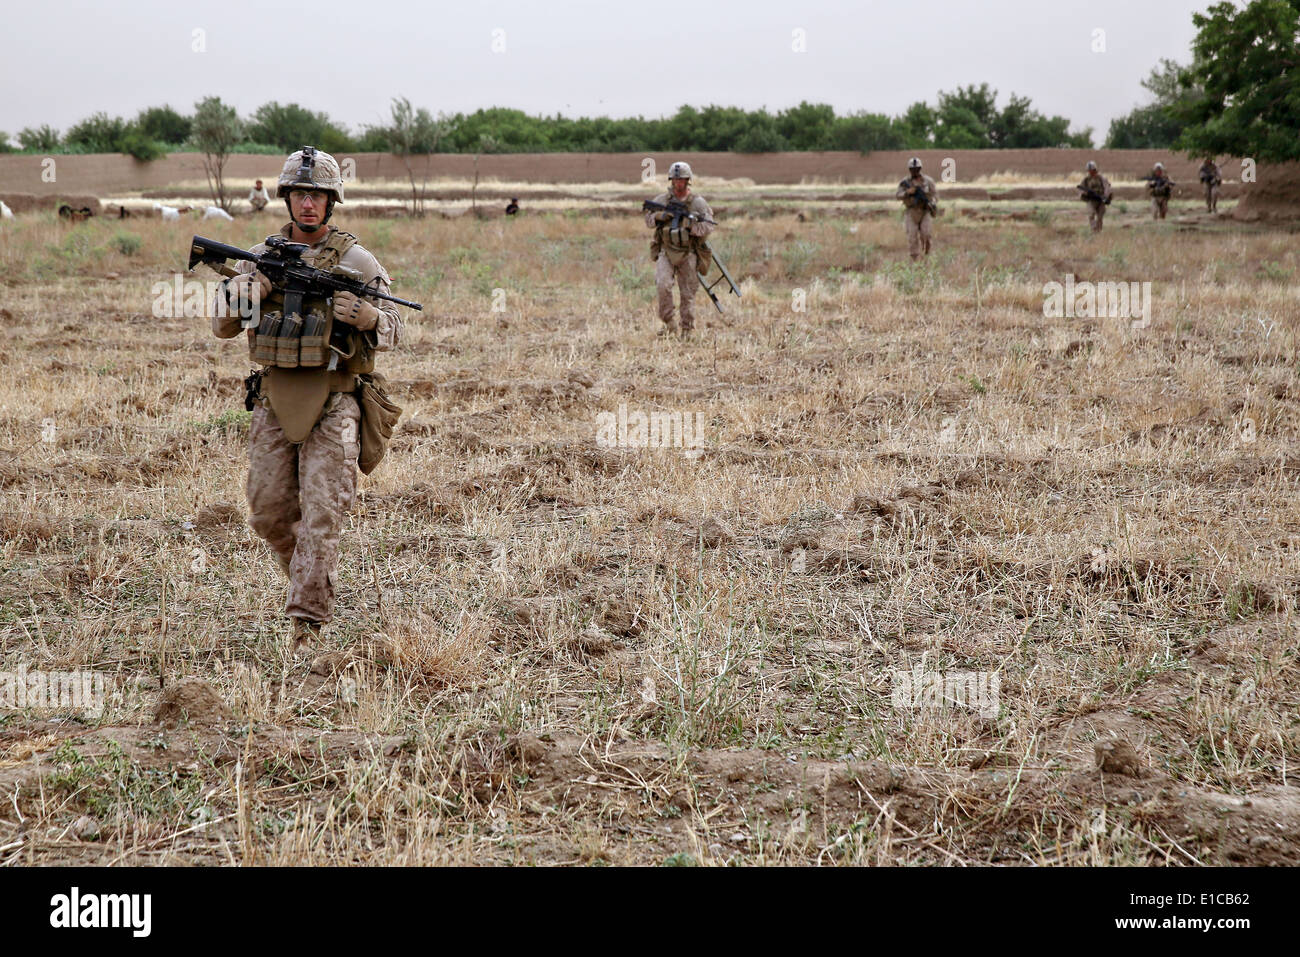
x=1239 y=95
x=966 y=118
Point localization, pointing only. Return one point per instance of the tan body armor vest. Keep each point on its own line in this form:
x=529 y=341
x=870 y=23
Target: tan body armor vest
x=297 y=351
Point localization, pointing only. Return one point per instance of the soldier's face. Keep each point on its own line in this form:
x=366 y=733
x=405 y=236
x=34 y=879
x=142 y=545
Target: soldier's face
x=680 y=186
x=308 y=205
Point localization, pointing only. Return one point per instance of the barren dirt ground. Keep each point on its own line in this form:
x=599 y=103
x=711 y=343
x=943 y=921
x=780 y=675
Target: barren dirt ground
x=553 y=651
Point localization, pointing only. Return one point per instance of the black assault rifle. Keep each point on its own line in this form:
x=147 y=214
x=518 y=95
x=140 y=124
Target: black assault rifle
x=679 y=211
x=1095 y=197
x=282 y=264
x=923 y=198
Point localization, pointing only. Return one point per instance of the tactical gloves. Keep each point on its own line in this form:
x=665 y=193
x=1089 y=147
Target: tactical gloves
x=355 y=311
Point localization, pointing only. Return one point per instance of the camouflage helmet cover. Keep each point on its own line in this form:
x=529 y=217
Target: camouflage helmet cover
x=914 y=163
x=679 y=170
x=1091 y=167
x=310 y=168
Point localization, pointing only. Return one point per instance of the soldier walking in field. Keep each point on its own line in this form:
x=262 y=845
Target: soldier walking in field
x=679 y=252
x=304 y=437
x=1212 y=179
x=920 y=203
x=1161 y=188
x=1095 y=191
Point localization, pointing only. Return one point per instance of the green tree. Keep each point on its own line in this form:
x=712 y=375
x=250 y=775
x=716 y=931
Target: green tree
x=1156 y=125
x=291 y=127
x=215 y=132
x=917 y=126
x=807 y=126
x=136 y=143
x=162 y=124
x=965 y=117
x=866 y=132
x=1246 y=60
x=5 y=145
x=41 y=139
x=97 y=133
x=412 y=133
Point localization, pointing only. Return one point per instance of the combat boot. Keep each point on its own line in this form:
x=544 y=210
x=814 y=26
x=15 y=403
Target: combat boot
x=669 y=329
x=305 y=637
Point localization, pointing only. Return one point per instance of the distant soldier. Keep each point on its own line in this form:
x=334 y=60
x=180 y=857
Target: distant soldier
x=1161 y=188
x=1212 y=179
x=920 y=202
x=257 y=197
x=679 y=252
x=512 y=207
x=1095 y=191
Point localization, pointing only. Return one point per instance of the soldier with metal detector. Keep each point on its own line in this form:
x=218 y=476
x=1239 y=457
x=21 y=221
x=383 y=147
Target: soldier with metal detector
x=681 y=220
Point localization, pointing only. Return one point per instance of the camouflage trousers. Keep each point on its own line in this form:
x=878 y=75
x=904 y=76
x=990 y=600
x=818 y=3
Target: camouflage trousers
x=1096 y=213
x=299 y=497
x=683 y=274
x=1159 y=206
x=1211 y=197
x=918 y=233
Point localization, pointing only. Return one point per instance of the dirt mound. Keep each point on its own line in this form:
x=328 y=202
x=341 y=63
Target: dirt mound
x=191 y=701
x=1274 y=196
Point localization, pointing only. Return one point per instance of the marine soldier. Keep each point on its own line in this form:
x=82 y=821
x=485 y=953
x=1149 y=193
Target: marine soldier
x=679 y=253
x=257 y=197
x=1161 y=187
x=920 y=204
x=1095 y=191
x=1212 y=179
x=304 y=435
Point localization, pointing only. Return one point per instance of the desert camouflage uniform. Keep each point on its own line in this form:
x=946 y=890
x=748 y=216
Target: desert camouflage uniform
x=1160 y=192
x=916 y=216
x=1212 y=178
x=1096 y=211
x=678 y=264
x=299 y=494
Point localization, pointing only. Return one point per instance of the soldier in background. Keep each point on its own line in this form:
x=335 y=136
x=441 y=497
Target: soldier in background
x=678 y=255
x=257 y=197
x=304 y=436
x=1212 y=179
x=919 y=206
x=1095 y=191
x=1161 y=188
x=512 y=207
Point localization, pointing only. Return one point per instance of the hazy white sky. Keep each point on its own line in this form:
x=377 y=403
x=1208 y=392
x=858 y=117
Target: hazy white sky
x=65 y=59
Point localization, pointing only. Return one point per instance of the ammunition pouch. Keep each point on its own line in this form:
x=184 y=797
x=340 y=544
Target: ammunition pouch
x=379 y=414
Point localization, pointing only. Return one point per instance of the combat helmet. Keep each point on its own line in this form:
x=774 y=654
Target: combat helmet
x=914 y=163
x=679 y=170
x=310 y=168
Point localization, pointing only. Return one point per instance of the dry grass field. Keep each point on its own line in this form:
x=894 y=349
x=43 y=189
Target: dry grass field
x=553 y=651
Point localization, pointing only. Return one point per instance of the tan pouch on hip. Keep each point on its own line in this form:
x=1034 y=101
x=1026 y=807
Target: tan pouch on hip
x=379 y=414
